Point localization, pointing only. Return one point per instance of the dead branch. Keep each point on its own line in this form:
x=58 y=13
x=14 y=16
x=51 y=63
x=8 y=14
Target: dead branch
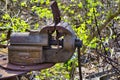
x=101 y=27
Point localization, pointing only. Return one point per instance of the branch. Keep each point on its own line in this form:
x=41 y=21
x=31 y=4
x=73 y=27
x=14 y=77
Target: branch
x=101 y=27
x=6 y=5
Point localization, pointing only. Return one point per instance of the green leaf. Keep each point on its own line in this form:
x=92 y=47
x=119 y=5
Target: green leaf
x=14 y=0
x=3 y=36
x=36 y=26
x=67 y=76
x=80 y=5
x=89 y=14
x=23 y=4
x=72 y=0
x=35 y=1
x=1 y=24
x=6 y=16
x=89 y=21
x=33 y=8
x=47 y=2
x=42 y=1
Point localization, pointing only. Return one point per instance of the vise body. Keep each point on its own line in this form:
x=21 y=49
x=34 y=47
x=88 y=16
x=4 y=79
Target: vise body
x=42 y=46
x=41 y=49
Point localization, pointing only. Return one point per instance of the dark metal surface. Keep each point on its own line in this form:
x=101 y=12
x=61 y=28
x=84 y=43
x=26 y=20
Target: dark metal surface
x=26 y=68
x=4 y=73
x=79 y=64
x=36 y=50
x=78 y=43
x=6 y=65
x=25 y=55
x=63 y=28
x=33 y=48
x=29 y=39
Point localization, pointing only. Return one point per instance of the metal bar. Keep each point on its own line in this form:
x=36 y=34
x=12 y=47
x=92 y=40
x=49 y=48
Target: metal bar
x=56 y=42
x=56 y=12
x=78 y=43
x=11 y=78
x=79 y=63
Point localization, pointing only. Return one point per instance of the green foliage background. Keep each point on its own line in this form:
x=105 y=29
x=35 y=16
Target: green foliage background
x=20 y=15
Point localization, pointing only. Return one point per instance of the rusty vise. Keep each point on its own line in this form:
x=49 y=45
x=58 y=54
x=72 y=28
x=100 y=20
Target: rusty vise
x=39 y=49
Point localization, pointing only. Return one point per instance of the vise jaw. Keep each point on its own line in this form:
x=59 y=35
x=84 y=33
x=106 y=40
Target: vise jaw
x=36 y=47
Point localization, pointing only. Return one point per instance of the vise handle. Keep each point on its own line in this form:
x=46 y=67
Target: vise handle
x=56 y=12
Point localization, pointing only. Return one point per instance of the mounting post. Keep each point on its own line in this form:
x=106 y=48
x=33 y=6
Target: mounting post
x=79 y=63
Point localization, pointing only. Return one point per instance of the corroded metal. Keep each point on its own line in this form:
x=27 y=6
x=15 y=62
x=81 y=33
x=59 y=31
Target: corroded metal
x=8 y=70
x=29 y=39
x=36 y=50
x=25 y=55
x=56 y=12
x=5 y=65
x=5 y=73
x=40 y=51
x=26 y=48
x=35 y=47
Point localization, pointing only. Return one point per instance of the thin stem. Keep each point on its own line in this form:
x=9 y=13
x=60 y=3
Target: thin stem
x=79 y=63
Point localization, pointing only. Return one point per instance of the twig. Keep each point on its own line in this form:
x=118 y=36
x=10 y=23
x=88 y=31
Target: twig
x=6 y=5
x=109 y=19
x=109 y=62
x=115 y=33
x=79 y=63
x=105 y=56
